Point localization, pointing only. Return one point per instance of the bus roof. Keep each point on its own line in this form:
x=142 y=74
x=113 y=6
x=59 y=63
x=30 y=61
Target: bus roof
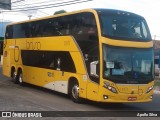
x=108 y=11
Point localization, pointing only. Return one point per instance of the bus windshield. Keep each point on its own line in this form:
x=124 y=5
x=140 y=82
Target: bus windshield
x=128 y=65
x=124 y=25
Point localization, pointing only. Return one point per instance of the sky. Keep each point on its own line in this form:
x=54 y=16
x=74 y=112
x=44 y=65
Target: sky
x=147 y=8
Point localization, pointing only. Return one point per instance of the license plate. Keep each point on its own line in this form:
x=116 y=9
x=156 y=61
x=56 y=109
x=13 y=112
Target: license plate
x=132 y=98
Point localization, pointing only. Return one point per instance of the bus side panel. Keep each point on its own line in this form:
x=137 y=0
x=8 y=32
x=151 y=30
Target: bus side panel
x=6 y=64
x=92 y=91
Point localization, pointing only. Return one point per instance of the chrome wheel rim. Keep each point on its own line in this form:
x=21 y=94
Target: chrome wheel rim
x=75 y=92
x=20 y=78
x=14 y=76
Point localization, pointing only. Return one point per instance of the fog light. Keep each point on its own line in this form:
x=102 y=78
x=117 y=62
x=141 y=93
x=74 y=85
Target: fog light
x=151 y=97
x=105 y=96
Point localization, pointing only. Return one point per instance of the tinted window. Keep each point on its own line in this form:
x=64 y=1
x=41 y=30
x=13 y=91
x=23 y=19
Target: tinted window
x=9 y=32
x=82 y=26
x=18 y=31
x=56 y=60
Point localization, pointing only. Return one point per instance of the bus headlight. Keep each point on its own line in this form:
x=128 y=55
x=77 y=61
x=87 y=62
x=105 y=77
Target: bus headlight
x=110 y=88
x=149 y=89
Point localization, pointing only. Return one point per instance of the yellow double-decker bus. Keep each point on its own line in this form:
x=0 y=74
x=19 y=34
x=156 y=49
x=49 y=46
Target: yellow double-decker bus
x=98 y=54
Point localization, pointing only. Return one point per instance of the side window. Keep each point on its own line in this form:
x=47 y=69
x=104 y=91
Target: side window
x=83 y=27
x=57 y=26
x=47 y=29
x=88 y=24
x=18 y=31
x=9 y=32
x=51 y=27
x=75 y=24
x=27 y=29
x=56 y=60
x=64 y=25
x=35 y=28
x=66 y=62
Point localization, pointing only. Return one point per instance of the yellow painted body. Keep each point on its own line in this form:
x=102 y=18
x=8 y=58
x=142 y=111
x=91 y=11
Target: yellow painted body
x=88 y=89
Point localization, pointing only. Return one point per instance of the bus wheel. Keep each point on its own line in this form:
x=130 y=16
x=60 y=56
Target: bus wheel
x=13 y=76
x=75 y=93
x=20 y=78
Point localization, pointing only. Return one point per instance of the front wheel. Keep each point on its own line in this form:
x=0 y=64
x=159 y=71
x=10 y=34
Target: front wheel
x=75 y=93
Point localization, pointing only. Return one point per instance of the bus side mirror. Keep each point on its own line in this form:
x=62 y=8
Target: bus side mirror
x=93 y=69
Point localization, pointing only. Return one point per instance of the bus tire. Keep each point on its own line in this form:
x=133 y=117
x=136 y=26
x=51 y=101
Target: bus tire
x=20 y=78
x=14 y=76
x=74 y=93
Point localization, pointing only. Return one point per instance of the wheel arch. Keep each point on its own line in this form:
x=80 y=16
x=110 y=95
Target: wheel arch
x=19 y=70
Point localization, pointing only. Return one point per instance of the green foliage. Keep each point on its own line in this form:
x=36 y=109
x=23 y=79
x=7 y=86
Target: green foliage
x=157 y=83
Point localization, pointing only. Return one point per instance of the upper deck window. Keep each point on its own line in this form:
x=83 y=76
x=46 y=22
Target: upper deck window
x=124 y=25
x=82 y=26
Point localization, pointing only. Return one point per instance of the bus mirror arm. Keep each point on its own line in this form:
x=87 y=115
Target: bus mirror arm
x=93 y=69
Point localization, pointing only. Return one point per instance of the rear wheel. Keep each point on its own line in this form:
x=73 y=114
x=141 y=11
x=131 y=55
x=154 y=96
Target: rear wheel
x=14 y=76
x=20 y=78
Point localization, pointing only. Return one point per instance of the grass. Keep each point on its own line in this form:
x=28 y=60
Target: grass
x=156 y=83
